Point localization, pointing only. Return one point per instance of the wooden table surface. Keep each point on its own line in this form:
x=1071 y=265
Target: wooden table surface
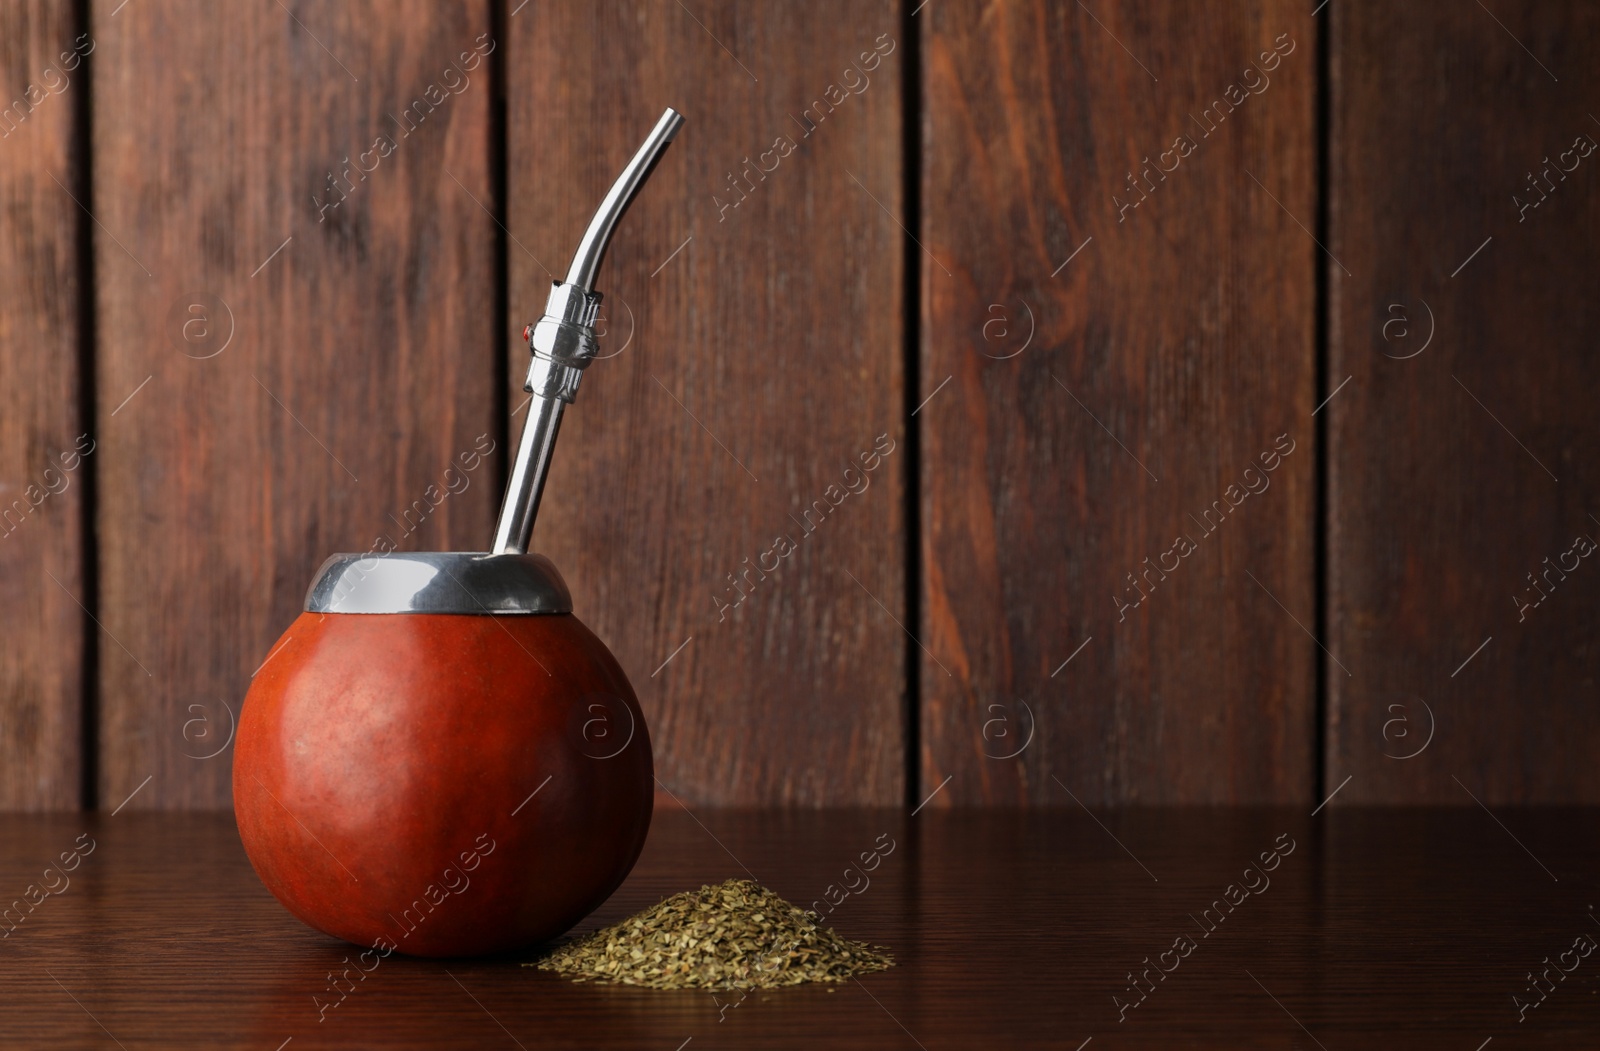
x=1394 y=929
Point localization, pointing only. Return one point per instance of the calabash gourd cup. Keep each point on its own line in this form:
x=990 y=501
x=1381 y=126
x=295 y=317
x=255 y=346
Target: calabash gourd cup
x=437 y=757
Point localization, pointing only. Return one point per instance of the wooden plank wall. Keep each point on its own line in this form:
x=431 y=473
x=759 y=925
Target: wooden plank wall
x=1097 y=408
x=305 y=354
x=1461 y=478
x=750 y=372
x=43 y=474
x=1080 y=241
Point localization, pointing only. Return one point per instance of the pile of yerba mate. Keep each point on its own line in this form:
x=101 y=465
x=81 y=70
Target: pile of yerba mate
x=737 y=934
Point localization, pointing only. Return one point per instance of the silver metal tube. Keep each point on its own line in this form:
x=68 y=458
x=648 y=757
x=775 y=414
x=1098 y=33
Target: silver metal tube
x=563 y=344
x=592 y=249
x=526 y=486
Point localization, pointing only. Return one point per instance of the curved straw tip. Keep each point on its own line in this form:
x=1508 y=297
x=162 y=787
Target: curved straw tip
x=674 y=120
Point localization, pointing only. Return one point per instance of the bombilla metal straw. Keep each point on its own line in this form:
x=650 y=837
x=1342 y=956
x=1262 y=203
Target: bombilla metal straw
x=563 y=344
x=592 y=249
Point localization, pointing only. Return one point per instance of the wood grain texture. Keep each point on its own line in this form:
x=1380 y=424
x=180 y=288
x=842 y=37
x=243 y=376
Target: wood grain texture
x=748 y=371
x=1009 y=929
x=1096 y=409
x=1459 y=466
x=359 y=360
x=42 y=473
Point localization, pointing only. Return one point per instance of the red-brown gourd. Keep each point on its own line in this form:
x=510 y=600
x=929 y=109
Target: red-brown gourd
x=437 y=757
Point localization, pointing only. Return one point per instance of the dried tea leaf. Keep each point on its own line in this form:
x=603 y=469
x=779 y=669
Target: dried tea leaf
x=737 y=934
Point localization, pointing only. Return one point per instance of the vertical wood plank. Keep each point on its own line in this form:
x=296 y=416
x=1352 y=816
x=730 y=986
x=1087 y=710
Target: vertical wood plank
x=1458 y=452
x=1094 y=409
x=296 y=298
x=750 y=369
x=42 y=473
